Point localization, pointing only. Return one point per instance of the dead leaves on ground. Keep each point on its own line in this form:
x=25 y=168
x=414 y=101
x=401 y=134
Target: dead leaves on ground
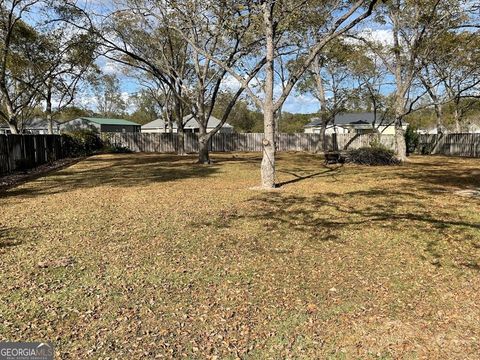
x=140 y=256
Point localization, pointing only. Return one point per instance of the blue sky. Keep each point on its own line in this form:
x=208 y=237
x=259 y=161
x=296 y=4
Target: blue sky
x=296 y=103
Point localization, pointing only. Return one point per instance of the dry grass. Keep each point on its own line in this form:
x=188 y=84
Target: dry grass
x=144 y=256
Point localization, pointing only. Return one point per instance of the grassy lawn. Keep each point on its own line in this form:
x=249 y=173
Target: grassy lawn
x=144 y=256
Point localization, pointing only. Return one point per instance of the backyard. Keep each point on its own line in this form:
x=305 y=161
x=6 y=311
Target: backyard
x=149 y=255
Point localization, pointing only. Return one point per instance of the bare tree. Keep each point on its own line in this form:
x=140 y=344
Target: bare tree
x=222 y=30
x=330 y=80
x=127 y=35
x=21 y=68
x=416 y=28
x=298 y=30
x=456 y=70
x=69 y=58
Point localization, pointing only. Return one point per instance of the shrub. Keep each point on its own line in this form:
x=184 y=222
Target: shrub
x=82 y=142
x=116 y=149
x=411 y=139
x=376 y=155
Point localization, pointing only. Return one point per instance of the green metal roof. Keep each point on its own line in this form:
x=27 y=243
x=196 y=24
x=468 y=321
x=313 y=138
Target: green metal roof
x=105 y=121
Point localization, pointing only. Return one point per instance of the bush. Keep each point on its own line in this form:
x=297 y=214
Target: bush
x=411 y=139
x=376 y=155
x=116 y=149
x=82 y=142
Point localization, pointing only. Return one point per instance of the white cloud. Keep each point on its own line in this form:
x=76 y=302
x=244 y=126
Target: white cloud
x=383 y=36
x=302 y=104
x=230 y=83
x=111 y=67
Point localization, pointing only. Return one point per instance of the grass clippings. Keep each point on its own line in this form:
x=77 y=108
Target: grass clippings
x=152 y=256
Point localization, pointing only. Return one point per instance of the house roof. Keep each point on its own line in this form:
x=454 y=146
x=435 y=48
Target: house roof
x=356 y=119
x=38 y=123
x=107 y=121
x=189 y=121
x=155 y=124
x=32 y=124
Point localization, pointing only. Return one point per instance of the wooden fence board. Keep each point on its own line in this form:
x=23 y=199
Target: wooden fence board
x=452 y=144
x=21 y=152
x=251 y=142
x=467 y=145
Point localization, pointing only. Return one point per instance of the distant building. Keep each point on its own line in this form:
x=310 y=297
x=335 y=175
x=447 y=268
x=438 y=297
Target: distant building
x=101 y=125
x=470 y=128
x=35 y=126
x=433 y=130
x=353 y=123
x=474 y=129
x=191 y=125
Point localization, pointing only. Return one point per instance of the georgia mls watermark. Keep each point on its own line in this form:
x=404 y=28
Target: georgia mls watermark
x=26 y=351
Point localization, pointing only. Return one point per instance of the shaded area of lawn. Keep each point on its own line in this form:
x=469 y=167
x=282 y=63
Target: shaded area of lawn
x=8 y=238
x=138 y=256
x=117 y=171
x=444 y=173
x=325 y=217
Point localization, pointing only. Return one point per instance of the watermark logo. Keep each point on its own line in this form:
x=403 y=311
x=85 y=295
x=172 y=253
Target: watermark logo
x=26 y=351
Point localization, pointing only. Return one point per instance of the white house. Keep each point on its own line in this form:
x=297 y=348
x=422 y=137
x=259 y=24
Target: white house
x=474 y=128
x=353 y=123
x=191 y=125
x=35 y=126
x=100 y=125
x=432 y=131
x=470 y=128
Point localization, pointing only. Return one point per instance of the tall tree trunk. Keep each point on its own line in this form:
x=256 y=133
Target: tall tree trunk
x=11 y=118
x=48 y=109
x=278 y=118
x=170 y=125
x=203 y=147
x=401 y=89
x=400 y=143
x=181 y=140
x=456 y=116
x=178 y=113
x=50 y=122
x=439 y=117
x=322 y=98
x=323 y=135
x=268 y=160
x=49 y=117
x=13 y=127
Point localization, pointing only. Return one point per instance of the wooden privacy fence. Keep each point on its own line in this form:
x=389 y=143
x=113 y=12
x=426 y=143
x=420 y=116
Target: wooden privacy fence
x=356 y=141
x=21 y=152
x=251 y=142
x=467 y=145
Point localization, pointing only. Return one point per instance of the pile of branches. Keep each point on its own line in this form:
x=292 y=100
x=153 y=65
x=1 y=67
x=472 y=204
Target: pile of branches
x=373 y=156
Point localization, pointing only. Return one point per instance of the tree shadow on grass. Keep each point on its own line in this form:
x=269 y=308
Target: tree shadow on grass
x=329 y=171
x=246 y=158
x=7 y=240
x=117 y=171
x=327 y=217
x=444 y=172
